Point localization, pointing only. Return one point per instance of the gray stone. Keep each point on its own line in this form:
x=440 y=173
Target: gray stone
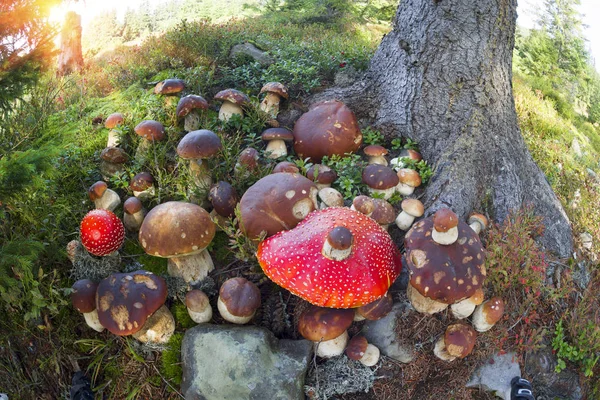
x=382 y=333
x=495 y=375
x=581 y=274
x=250 y=50
x=242 y=362
x=576 y=148
x=547 y=384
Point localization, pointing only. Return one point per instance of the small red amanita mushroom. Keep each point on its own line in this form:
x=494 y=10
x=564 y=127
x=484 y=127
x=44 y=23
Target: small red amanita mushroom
x=276 y=92
x=327 y=328
x=286 y=166
x=102 y=232
x=322 y=175
x=142 y=186
x=103 y=197
x=199 y=146
x=478 y=222
x=376 y=154
x=246 y=163
x=445 y=226
x=112 y=161
x=134 y=214
x=276 y=138
x=380 y=180
x=407 y=154
x=335 y=258
x=375 y=310
x=487 y=314
x=169 y=86
x=329 y=197
x=112 y=122
x=464 y=308
x=457 y=342
x=188 y=108
x=411 y=209
x=233 y=101
x=360 y=350
x=150 y=131
x=198 y=306
x=238 y=300
x=84 y=301
x=408 y=180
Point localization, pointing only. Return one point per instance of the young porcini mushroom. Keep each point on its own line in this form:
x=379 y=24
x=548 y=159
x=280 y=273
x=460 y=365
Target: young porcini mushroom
x=246 y=163
x=223 y=198
x=112 y=122
x=286 y=166
x=238 y=300
x=275 y=203
x=478 y=222
x=442 y=274
x=408 y=180
x=335 y=258
x=102 y=232
x=445 y=226
x=376 y=154
x=383 y=213
x=465 y=307
x=199 y=146
x=84 y=301
x=233 y=101
x=487 y=314
x=169 y=86
x=363 y=204
x=321 y=175
x=327 y=328
x=142 y=186
x=134 y=214
x=112 y=160
x=380 y=179
x=103 y=197
x=150 y=131
x=180 y=232
x=329 y=197
x=189 y=108
x=360 y=350
x=411 y=209
x=458 y=342
x=406 y=154
x=198 y=306
x=133 y=304
x=276 y=92
x=375 y=310
x=276 y=138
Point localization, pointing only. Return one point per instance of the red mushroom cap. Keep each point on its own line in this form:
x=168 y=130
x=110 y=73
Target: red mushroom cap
x=293 y=259
x=102 y=232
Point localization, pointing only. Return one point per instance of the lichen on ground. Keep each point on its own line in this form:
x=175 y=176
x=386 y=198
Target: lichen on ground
x=338 y=376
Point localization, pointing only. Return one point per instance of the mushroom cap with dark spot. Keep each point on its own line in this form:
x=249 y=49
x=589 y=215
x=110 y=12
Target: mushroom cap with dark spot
x=379 y=177
x=188 y=103
x=375 y=150
x=150 y=130
x=126 y=300
x=176 y=229
x=377 y=309
x=275 y=87
x=321 y=323
x=320 y=173
x=294 y=260
x=286 y=166
x=328 y=128
x=240 y=296
x=277 y=134
x=223 y=198
x=169 y=86
x=413 y=207
x=84 y=295
x=115 y=155
x=196 y=300
x=384 y=213
x=132 y=205
x=412 y=154
x=268 y=205
x=444 y=273
x=199 y=144
x=114 y=120
x=444 y=219
x=97 y=190
x=249 y=158
x=141 y=181
x=409 y=177
x=460 y=340
x=356 y=347
x=233 y=96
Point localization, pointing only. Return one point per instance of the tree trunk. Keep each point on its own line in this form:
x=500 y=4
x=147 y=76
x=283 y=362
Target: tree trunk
x=70 y=58
x=442 y=77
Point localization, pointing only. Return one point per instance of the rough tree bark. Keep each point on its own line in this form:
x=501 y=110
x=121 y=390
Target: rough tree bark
x=442 y=77
x=70 y=58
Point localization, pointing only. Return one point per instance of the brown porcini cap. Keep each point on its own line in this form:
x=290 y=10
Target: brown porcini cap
x=320 y=173
x=364 y=204
x=340 y=238
x=196 y=300
x=460 y=340
x=240 y=296
x=286 y=166
x=377 y=309
x=444 y=219
x=379 y=177
x=223 y=198
x=320 y=323
x=493 y=309
x=413 y=207
x=249 y=158
x=97 y=190
x=141 y=182
x=277 y=133
x=188 y=103
x=83 y=296
x=384 y=213
x=476 y=217
x=375 y=150
x=150 y=130
x=275 y=87
x=412 y=154
x=175 y=229
x=114 y=120
x=356 y=347
x=115 y=155
x=169 y=86
x=126 y=300
x=199 y=144
x=233 y=96
x=132 y=205
x=409 y=177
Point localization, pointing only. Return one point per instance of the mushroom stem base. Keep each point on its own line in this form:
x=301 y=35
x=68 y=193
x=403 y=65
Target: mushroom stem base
x=203 y=316
x=133 y=221
x=333 y=347
x=191 y=122
x=270 y=104
x=91 y=318
x=108 y=201
x=440 y=350
x=445 y=238
x=201 y=174
x=114 y=138
x=158 y=328
x=229 y=109
x=193 y=268
x=423 y=304
x=404 y=220
x=276 y=148
x=229 y=317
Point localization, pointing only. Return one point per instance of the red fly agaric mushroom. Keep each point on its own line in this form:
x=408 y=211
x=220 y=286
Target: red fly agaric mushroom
x=411 y=209
x=326 y=327
x=133 y=304
x=142 y=186
x=442 y=274
x=169 y=86
x=408 y=180
x=180 y=232
x=198 y=306
x=380 y=180
x=375 y=310
x=276 y=138
x=276 y=202
x=238 y=300
x=360 y=350
x=329 y=197
x=102 y=232
x=376 y=154
x=477 y=222
x=150 y=131
x=328 y=128
x=487 y=314
x=188 y=108
x=321 y=175
x=112 y=122
x=233 y=101
x=199 y=146
x=457 y=342
x=445 y=226
x=465 y=307
x=276 y=92
x=83 y=298
x=103 y=197
x=335 y=258
x=134 y=214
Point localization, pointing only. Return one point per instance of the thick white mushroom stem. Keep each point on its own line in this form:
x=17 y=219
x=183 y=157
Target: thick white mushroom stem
x=270 y=104
x=142 y=151
x=202 y=316
x=476 y=226
x=158 y=328
x=371 y=356
x=114 y=138
x=386 y=193
x=91 y=318
x=463 y=309
x=276 y=148
x=201 y=174
x=228 y=109
x=133 y=221
x=191 y=122
x=404 y=220
x=445 y=238
x=108 y=201
x=378 y=160
x=423 y=304
x=440 y=350
x=333 y=347
x=191 y=268
x=404 y=189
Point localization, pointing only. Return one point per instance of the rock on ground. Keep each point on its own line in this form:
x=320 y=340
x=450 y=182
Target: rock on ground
x=495 y=375
x=242 y=362
x=250 y=50
x=547 y=384
x=382 y=333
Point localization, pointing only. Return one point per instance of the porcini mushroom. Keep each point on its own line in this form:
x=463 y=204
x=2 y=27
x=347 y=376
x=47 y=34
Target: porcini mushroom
x=408 y=180
x=83 y=298
x=327 y=328
x=233 y=101
x=375 y=310
x=487 y=314
x=329 y=197
x=246 y=163
x=188 y=108
x=477 y=222
x=465 y=307
x=276 y=92
x=103 y=197
x=359 y=349
x=380 y=180
x=276 y=138
x=376 y=154
x=238 y=300
x=150 y=131
x=102 y=232
x=335 y=258
x=112 y=161
x=134 y=214
x=321 y=175
x=142 y=186
x=411 y=209
x=112 y=122
x=180 y=232
x=399 y=162
x=286 y=166
x=198 y=306
x=223 y=198
x=169 y=86
x=458 y=342
x=199 y=146
x=383 y=213
x=445 y=226
x=363 y=204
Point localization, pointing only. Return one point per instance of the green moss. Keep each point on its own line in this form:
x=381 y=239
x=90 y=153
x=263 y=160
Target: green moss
x=156 y=265
x=219 y=248
x=171 y=360
x=181 y=315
